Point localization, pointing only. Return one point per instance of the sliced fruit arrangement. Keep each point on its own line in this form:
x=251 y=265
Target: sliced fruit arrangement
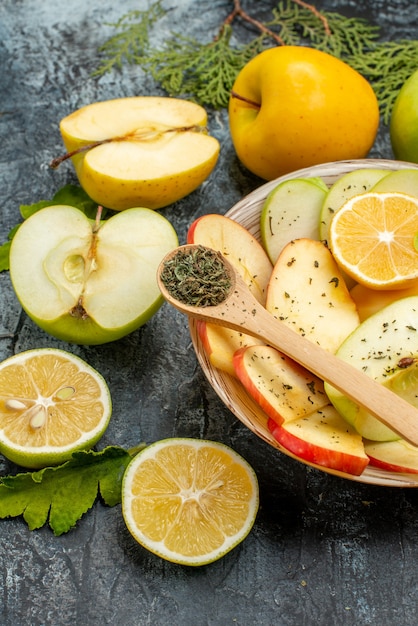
x=367 y=317
x=142 y=151
x=189 y=501
x=89 y=282
x=52 y=403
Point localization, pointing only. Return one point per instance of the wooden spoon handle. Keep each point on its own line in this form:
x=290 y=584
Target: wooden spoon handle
x=250 y=317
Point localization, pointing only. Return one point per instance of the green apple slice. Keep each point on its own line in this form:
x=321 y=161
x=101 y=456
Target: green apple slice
x=403 y=181
x=350 y=185
x=308 y=293
x=385 y=347
x=290 y=211
x=142 y=151
x=90 y=284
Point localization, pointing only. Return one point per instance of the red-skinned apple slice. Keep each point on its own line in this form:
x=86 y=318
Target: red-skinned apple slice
x=393 y=456
x=248 y=256
x=308 y=293
x=282 y=388
x=323 y=438
x=300 y=415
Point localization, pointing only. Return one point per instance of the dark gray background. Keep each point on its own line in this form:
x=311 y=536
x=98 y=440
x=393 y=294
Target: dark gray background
x=323 y=551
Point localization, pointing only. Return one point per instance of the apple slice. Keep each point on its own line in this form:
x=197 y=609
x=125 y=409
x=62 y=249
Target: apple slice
x=370 y=301
x=308 y=293
x=291 y=211
x=220 y=344
x=300 y=415
x=385 y=347
x=141 y=151
x=86 y=282
x=393 y=456
x=281 y=387
x=323 y=438
x=250 y=259
x=403 y=181
x=351 y=184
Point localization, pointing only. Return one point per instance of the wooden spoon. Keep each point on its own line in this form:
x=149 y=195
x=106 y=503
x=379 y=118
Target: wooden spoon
x=241 y=311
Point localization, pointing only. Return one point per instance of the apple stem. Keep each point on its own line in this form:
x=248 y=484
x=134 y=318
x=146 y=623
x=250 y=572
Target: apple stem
x=236 y=95
x=136 y=136
x=98 y=218
x=58 y=160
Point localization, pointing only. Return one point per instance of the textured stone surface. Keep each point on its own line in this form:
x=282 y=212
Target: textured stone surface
x=323 y=551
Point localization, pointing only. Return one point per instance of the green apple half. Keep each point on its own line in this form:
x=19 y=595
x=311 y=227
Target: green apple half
x=141 y=151
x=90 y=282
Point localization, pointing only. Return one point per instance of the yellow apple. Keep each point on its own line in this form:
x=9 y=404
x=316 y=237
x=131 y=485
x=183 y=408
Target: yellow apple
x=141 y=151
x=293 y=107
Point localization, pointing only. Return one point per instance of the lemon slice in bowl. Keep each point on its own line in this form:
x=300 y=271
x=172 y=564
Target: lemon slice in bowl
x=52 y=403
x=372 y=238
x=189 y=501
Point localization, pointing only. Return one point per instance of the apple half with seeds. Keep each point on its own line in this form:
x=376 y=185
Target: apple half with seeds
x=89 y=282
x=140 y=151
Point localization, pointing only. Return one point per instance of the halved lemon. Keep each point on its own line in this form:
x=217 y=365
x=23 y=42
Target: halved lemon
x=190 y=501
x=372 y=239
x=52 y=403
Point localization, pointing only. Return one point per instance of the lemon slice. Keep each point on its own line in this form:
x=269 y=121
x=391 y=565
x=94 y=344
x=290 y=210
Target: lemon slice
x=52 y=403
x=372 y=239
x=189 y=501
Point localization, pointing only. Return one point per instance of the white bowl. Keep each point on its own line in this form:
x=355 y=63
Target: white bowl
x=247 y=212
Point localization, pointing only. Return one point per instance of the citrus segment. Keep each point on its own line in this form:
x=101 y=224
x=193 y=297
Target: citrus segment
x=372 y=239
x=188 y=500
x=51 y=404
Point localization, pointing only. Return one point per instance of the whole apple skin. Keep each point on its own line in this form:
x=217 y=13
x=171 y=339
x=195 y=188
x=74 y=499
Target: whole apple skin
x=404 y=121
x=303 y=107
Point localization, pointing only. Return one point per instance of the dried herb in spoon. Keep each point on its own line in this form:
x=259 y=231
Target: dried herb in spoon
x=196 y=276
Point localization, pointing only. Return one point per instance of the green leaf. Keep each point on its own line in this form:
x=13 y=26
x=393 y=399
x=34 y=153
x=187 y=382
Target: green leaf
x=63 y=494
x=4 y=256
x=71 y=195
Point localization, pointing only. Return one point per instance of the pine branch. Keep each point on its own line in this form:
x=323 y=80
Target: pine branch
x=206 y=72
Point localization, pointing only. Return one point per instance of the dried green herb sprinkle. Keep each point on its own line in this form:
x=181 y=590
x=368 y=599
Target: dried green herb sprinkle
x=197 y=276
